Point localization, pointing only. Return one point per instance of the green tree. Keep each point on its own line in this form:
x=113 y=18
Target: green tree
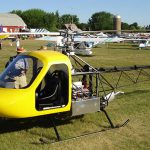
x=134 y=26
x=84 y=26
x=18 y=12
x=37 y=18
x=50 y=21
x=125 y=26
x=34 y=18
x=101 y=21
x=58 y=20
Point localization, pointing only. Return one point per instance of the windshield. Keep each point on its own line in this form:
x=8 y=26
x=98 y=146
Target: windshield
x=21 y=72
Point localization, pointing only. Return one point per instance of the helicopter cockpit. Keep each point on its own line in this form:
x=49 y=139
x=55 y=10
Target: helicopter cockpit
x=53 y=89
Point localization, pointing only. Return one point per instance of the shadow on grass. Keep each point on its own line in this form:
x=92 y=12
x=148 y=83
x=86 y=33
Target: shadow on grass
x=11 y=125
x=124 y=48
x=85 y=55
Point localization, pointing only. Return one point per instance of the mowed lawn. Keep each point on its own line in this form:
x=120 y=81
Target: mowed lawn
x=133 y=105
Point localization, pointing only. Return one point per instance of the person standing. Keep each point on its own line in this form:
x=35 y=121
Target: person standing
x=20 y=70
x=17 y=43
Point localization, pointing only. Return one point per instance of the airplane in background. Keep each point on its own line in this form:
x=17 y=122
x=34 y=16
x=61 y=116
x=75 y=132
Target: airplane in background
x=78 y=47
x=144 y=44
x=99 y=40
x=83 y=48
x=83 y=37
x=81 y=43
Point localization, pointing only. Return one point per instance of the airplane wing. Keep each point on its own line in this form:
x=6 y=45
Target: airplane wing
x=30 y=33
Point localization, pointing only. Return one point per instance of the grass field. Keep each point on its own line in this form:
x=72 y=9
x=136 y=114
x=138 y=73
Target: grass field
x=134 y=104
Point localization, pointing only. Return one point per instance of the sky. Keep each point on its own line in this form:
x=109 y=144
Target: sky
x=130 y=10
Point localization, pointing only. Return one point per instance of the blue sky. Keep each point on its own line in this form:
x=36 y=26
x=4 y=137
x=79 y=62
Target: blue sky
x=129 y=10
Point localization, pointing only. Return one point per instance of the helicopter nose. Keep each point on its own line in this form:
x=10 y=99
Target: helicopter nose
x=16 y=103
x=8 y=102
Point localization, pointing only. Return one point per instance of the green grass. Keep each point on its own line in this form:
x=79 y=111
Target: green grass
x=134 y=104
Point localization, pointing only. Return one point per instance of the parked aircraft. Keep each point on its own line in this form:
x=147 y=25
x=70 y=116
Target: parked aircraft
x=83 y=48
x=81 y=39
x=144 y=44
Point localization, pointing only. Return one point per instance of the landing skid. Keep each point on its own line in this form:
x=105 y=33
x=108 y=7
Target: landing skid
x=83 y=135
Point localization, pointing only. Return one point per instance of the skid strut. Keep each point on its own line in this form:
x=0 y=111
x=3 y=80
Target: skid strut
x=111 y=123
x=108 y=118
x=55 y=129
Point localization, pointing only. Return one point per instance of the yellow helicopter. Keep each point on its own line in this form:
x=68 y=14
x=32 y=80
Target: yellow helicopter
x=58 y=83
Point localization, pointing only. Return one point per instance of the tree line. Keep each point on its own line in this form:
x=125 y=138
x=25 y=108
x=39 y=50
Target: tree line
x=52 y=21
